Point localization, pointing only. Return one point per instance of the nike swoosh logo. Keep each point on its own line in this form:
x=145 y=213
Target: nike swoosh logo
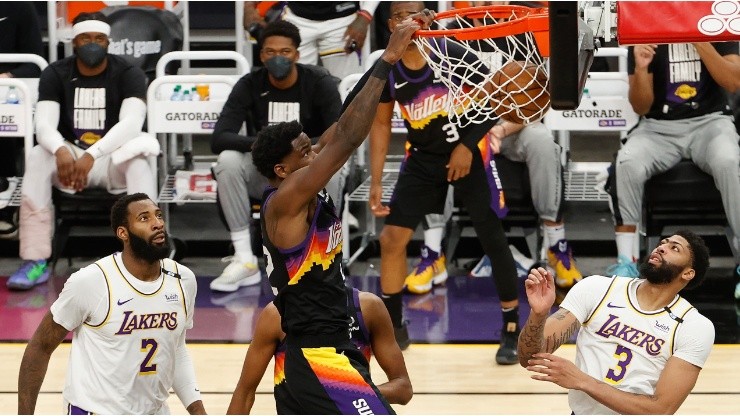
x=197 y=389
x=1 y=19
x=397 y=85
x=264 y=93
x=614 y=306
x=125 y=301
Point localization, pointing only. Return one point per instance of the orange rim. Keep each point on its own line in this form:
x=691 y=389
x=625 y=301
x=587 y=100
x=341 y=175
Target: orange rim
x=525 y=19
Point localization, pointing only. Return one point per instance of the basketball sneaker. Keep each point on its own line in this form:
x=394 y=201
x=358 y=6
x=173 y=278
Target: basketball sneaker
x=30 y=274
x=737 y=279
x=624 y=267
x=236 y=275
x=431 y=270
x=560 y=258
x=483 y=268
x=507 y=354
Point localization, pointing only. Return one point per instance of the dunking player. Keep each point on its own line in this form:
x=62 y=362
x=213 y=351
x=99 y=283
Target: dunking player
x=640 y=346
x=440 y=153
x=303 y=240
x=370 y=330
x=129 y=313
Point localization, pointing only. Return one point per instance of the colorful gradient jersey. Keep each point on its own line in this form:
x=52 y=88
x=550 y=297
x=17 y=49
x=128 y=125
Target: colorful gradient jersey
x=307 y=278
x=358 y=334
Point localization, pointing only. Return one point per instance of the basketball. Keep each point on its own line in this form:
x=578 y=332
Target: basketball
x=521 y=95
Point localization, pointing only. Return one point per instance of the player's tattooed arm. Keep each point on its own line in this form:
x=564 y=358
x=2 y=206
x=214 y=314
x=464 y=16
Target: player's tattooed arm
x=541 y=334
x=35 y=361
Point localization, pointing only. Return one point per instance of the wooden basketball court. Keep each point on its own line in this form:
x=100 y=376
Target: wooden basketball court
x=447 y=379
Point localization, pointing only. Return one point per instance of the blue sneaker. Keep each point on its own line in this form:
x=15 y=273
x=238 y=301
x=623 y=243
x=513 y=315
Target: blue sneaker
x=30 y=274
x=624 y=267
x=483 y=268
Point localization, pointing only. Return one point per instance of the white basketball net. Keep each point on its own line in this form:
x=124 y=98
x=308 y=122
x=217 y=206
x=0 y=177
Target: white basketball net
x=468 y=101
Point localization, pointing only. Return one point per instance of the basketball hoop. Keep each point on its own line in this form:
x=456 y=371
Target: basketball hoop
x=492 y=62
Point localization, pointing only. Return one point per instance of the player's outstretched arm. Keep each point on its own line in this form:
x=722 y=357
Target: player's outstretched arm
x=385 y=348
x=35 y=361
x=542 y=333
x=267 y=335
x=343 y=137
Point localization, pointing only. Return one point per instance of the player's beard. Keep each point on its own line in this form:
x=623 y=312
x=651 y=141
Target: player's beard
x=661 y=274
x=148 y=251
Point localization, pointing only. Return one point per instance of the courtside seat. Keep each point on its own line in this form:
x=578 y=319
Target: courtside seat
x=683 y=195
x=90 y=207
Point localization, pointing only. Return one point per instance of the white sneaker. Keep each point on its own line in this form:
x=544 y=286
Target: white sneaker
x=236 y=274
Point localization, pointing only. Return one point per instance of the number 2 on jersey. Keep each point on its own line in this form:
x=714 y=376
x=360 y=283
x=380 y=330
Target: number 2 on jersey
x=624 y=355
x=149 y=346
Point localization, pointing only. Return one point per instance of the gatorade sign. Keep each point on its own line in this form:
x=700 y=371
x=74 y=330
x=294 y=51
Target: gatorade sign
x=198 y=117
x=12 y=120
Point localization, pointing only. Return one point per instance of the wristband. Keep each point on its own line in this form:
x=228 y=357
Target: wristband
x=382 y=69
x=366 y=15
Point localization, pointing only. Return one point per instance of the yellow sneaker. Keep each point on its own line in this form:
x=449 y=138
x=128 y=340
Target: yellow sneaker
x=560 y=258
x=431 y=270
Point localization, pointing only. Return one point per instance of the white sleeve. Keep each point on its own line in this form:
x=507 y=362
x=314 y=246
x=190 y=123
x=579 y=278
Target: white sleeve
x=583 y=298
x=47 y=120
x=84 y=299
x=185 y=384
x=694 y=339
x=369 y=6
x=130 y=121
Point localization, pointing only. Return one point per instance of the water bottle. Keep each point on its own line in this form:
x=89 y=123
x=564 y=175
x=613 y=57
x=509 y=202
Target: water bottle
x=194 y=96
x=176 y=94
x=186 y=95
x=203 y=91
x=12 y=96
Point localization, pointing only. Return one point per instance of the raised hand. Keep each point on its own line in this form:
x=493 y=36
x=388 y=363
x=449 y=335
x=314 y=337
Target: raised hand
x=403 y=32
x=540 y=287
x=644 y=54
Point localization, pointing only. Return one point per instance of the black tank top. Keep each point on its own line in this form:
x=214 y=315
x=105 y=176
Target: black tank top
x=307 y=278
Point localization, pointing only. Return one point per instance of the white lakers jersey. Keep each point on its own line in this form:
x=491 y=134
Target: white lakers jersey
x=621 y=344
x=126 y=332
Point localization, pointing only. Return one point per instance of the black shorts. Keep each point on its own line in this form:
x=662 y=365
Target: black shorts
x=422 y=187
x=329 y=380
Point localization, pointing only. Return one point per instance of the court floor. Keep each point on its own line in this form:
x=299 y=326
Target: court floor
x=447 y=379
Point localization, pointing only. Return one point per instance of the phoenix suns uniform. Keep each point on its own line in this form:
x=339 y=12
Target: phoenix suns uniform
x=358 y=334
x=128 y=347
x=628 y=347
x=326 y=372
x=422 y=182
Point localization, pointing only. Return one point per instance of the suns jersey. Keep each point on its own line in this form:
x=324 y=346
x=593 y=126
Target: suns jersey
x=358 y=332
x=307 y=278
x=628 y=347
x=126 y=333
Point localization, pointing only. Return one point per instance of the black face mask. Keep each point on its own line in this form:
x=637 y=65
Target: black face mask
x=91 y=54
x=279 y=67
x=147 y=250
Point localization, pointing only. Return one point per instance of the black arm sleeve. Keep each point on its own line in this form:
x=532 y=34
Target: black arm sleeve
x=235 y=112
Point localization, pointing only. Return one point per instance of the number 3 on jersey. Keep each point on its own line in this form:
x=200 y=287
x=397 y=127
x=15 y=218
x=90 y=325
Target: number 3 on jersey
x=147 y=367
x=615 y=375
x=452 y=134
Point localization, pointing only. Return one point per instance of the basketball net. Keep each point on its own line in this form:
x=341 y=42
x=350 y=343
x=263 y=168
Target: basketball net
x=493 y=36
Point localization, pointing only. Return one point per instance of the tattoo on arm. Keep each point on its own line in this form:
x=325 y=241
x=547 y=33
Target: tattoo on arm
x=533 y=340
x=552 y=342
x=355 y=123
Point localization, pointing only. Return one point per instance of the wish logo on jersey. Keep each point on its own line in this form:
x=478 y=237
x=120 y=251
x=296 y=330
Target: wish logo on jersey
x=132 y=322
x=614 y=328
x=430 y=103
